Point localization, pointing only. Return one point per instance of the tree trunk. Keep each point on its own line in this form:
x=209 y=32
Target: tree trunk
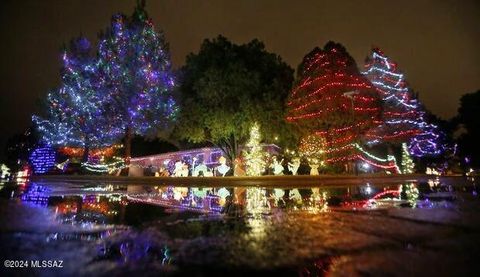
x=230 y=149
x=390 y=150
x=86 y=149
x=128 y=145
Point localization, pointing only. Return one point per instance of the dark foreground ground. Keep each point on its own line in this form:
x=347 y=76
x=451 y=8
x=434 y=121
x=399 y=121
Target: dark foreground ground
x=437 y=233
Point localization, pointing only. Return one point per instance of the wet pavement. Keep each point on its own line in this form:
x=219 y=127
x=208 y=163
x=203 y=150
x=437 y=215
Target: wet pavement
x=97 y=229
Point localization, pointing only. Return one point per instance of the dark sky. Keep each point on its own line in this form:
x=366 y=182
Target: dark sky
x=436 y=43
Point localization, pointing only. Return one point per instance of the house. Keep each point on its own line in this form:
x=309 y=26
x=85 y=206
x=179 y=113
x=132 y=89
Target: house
x=146 y=165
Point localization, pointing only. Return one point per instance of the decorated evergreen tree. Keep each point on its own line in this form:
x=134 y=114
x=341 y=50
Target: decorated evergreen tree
x=428 y=143
x=403 y=118
x=135 y=65
x=333 y=100
x=407 y=162
x=75 y=112
x=254 y=155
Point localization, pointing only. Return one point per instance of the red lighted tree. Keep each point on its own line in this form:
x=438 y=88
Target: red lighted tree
x=333 y=99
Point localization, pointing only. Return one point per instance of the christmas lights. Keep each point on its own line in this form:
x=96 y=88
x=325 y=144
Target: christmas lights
x=313 y=148
x=334 y=101
x=117 y=164
x=134 y=63
x=254 y=155
x=407 y=162
x=42 y=159
x=125 y=89
x=403 y=115
x=76 y=111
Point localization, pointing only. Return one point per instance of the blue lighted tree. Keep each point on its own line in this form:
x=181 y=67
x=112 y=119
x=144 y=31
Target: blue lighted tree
x=76 y=112
x=134 y=63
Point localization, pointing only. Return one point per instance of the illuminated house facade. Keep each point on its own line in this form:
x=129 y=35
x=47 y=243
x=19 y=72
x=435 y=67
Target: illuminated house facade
x=207 y=155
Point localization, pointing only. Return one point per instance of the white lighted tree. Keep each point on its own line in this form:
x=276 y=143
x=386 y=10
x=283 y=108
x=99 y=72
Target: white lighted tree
x=254 y=154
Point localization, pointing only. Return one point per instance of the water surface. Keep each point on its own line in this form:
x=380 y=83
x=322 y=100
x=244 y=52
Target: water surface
x=101 y=229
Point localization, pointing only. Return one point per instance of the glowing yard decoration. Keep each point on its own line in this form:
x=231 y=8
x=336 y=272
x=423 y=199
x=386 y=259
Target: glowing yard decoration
x=42 y=159
x=254 y=154
x=223 y=168
x=294 y=165
x=277 y=166
x=116 y=164
x=407 y=162
x=313 y=148
x=4 y=171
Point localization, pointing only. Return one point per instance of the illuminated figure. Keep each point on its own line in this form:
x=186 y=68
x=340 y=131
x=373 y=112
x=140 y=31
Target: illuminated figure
x=277 y=166
x=223 y=168
x=294 y=165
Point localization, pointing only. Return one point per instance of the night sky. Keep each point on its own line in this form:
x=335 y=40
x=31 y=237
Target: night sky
x=436 y=43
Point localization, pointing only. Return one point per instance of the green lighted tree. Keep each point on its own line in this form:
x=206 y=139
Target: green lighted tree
x=407 y=161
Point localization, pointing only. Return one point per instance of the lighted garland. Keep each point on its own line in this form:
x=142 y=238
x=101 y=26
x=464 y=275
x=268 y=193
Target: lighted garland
x=117 y=164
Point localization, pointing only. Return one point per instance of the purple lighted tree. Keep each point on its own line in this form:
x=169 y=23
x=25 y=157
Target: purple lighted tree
x=134 y=63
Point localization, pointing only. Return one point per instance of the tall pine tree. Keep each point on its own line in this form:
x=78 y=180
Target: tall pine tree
x=332 y=99
x=403 y=118
x=75 y=112
x=135 y=65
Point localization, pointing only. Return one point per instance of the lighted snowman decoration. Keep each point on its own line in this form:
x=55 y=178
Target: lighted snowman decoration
x=223 y=168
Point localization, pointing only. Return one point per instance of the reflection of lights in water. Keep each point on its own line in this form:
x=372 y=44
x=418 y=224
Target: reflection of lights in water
x=256 y=200
x=203 y=200
x=368 y=189
x=318 y=202
x=36 y=194
x=411 y=193
x=257 y=226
